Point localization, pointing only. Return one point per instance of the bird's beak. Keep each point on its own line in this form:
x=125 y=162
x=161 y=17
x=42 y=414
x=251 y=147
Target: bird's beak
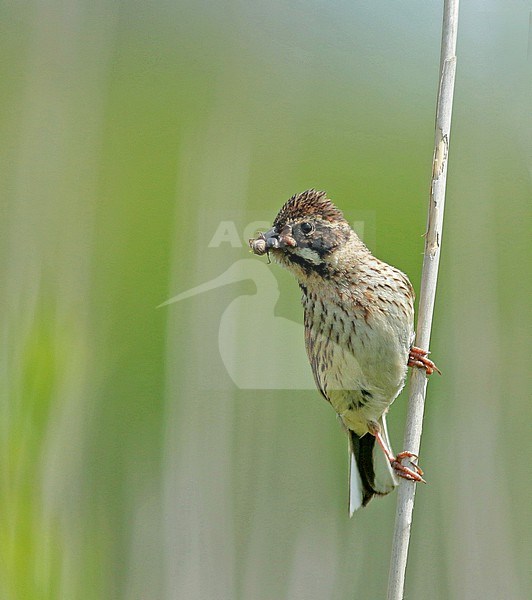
x=265 y=242
x=271 y=238
x=282 y=239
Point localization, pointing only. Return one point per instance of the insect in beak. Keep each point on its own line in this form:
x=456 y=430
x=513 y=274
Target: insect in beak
x=264 y=242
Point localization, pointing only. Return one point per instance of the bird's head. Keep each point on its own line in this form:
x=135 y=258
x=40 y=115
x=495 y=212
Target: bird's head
x=307 y=235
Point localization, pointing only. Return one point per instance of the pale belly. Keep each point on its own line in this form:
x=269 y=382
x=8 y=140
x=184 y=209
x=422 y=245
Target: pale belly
x=360 y=369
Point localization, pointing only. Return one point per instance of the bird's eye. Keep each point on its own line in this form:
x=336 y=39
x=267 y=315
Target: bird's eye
x=306 y=228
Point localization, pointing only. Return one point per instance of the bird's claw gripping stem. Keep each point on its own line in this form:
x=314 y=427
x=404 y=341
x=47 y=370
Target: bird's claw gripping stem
x=418 y=358
x=414 y=474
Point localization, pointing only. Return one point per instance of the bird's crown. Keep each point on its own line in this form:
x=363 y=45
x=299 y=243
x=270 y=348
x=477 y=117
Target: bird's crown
x=310 y=203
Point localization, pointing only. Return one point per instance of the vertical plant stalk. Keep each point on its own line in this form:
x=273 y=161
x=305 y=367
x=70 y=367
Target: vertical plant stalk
x=429 y=278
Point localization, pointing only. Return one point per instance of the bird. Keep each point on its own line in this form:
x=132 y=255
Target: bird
x=359 y=333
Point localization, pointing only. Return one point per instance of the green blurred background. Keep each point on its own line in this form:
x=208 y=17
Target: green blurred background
x=132 y=466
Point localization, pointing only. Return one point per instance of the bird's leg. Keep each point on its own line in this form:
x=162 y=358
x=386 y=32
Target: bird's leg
x=414 y=474
x=418 y=358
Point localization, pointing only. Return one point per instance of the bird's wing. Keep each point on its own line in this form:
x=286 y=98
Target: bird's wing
x=314 y=363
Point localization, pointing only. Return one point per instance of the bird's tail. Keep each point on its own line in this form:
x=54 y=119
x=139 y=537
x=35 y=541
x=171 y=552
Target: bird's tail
x=370 y=472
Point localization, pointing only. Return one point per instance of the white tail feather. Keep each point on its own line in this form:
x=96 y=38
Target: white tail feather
x=384 y=480
x=356 y=495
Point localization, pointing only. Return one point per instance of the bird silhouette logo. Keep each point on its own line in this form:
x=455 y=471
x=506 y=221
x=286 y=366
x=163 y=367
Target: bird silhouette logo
x=250 y=334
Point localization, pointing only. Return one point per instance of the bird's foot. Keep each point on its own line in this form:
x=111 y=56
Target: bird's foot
x=418 y=358
x=413 y=474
